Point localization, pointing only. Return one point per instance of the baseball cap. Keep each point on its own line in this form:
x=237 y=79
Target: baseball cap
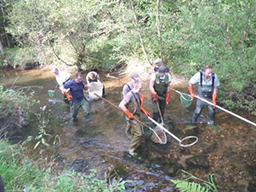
x=158 y=60
x=161 y=70
x=134 y=75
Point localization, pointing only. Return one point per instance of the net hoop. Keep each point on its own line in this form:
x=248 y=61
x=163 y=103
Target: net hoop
x=185 y=99
x=52 y=94
x=189 y=137
x=161 y=141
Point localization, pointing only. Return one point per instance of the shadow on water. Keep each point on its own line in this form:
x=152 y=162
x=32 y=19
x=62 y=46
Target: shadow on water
x=101 y=143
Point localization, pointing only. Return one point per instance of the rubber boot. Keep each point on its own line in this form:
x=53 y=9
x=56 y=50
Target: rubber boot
x=194 y=119
x=87 y=118
x=211 y=122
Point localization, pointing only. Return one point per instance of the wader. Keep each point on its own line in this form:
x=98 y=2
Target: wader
x=160 y=88
x=204 y=91
x=133 y=128
x=74 y=107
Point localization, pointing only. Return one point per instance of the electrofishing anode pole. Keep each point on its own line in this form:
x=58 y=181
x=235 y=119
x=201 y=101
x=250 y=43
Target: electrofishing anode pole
x=231 y=113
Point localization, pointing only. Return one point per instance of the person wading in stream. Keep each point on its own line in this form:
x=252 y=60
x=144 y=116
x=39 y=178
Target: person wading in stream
x=207 y=89
x=62 y=77
x=159 y=86
x=76 y=87
x=133 y=109
x=92 y=76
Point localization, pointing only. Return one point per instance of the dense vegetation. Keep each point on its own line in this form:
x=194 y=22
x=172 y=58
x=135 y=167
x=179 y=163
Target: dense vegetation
x=104 y=34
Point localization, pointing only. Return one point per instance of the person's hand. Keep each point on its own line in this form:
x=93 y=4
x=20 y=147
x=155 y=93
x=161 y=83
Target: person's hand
x=68 y=95
x=155 y=97
x=145 y=112
x=167 y=97
x=86 y=87
x=214 y=97
x=128 y=114
x=190 y=89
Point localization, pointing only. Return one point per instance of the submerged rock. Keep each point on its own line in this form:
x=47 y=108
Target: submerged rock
x=198 y=161
x=79 y=165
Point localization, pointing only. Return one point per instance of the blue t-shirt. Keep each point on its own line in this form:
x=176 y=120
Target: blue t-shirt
x=76 y=89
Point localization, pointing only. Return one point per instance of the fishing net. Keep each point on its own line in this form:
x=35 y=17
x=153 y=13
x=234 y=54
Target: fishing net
x=52 y=94
x=95 y=88
x=186 y=99
x=158 y=136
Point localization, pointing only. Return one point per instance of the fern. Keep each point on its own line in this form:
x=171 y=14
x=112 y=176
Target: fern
x=186 y=186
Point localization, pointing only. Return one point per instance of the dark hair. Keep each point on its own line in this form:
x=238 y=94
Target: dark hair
x=206 y=67
x=78 y=74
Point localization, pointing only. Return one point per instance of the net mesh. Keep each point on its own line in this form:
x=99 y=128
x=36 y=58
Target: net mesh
x=52 y=94
x=159 y=136
x=186 y=99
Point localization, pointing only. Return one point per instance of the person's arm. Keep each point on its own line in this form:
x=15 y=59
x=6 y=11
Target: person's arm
x=125 y=110
x=87 y=78
x=151 y=87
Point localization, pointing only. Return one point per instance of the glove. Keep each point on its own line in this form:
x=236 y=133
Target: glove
x=68 y=96
x=128 y=114
x=214 y=97
x=145 y=112
x=155 y=97
x=190 y=89
x=167 y=97
x=141 y=106
x=86 y=87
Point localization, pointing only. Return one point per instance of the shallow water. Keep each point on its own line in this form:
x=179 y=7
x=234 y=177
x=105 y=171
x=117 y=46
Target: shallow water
x=228 y=152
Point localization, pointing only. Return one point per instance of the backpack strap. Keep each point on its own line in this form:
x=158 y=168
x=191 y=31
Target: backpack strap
x=201 y=78
x=213 y=79
x=128 y=86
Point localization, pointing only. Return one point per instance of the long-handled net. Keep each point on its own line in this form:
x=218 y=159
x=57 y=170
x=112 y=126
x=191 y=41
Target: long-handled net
x=185 y=99
x=52 y=94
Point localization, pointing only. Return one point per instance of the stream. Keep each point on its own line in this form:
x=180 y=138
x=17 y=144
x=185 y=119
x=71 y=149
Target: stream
x=101 y=144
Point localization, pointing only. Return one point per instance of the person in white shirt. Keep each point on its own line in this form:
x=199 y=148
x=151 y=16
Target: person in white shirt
x=207 y=89
x=62 y=77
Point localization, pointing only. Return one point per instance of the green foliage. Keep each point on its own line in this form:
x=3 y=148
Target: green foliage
x=18 y=57
x=20 y=172
x=12 y=100
x=203 y=186
x=185 y=186
x=98 y=34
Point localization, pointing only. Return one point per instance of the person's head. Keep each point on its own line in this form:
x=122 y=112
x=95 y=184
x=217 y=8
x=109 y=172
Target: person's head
x=136 y=82
x=161 y=70
x=92 y=76
x=158 y=62
x=78 y=78
x=207 y=70
x=55 y=71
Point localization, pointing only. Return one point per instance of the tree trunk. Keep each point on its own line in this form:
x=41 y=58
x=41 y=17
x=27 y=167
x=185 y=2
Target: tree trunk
x=140 y=35
x=159 y=29
x=1 y=48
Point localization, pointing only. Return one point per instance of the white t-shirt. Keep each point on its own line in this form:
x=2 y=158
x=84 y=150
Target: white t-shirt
x=196 y=79
x=62 y=77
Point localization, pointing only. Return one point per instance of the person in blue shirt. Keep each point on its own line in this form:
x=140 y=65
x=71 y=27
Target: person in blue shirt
x=76 y=87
